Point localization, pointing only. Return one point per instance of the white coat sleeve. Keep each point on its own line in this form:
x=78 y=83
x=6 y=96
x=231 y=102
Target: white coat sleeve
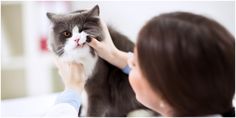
x=66 y=105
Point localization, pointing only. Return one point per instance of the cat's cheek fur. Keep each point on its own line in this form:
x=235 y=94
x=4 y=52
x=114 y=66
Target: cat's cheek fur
x=50 y=40
x=83 y=37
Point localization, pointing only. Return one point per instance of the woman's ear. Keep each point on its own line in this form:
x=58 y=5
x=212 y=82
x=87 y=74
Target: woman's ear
x=94 y=11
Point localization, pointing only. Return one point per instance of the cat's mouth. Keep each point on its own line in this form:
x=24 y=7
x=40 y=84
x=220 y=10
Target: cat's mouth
x=80 y=45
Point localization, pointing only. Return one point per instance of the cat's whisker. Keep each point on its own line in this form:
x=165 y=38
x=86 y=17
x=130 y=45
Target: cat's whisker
x=60 y=51
x=59 y=46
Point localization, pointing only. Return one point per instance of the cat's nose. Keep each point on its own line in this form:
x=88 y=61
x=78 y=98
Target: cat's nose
x=77 y=40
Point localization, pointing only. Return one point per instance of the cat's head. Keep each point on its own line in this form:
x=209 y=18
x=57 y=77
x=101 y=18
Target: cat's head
x=69 y=33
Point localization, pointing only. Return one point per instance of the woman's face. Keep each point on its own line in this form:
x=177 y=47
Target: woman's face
x=139 y=83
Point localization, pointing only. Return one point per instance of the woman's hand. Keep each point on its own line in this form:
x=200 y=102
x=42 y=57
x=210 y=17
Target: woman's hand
x=72 y=74
x=107 y=50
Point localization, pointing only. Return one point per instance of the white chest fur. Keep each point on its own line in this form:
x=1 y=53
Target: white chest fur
x=84 y=104
x=89 y=63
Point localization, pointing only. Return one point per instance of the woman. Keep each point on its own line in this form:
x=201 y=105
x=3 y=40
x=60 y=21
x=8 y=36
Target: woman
x=183 y=65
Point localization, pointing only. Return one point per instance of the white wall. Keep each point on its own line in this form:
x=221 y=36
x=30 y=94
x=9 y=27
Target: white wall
x=129 y=17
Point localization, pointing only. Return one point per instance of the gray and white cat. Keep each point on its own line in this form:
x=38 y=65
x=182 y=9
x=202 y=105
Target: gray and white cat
x=107 y=90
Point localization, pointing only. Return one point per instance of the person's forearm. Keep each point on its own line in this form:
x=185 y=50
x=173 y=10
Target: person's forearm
x=118 y=58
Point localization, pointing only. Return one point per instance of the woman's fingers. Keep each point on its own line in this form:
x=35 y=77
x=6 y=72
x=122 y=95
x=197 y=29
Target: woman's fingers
x=94 y=43
x=72 y=73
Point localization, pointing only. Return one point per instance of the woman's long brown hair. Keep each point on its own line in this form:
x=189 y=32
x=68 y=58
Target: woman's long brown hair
x=190 y=60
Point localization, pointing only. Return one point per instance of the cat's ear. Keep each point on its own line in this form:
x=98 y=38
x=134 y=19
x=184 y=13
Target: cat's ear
x=94 y=11
x=51 y=16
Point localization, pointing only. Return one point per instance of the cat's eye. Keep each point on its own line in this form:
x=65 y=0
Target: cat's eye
x=80 y=30
x=66 y=34
x=83 y=29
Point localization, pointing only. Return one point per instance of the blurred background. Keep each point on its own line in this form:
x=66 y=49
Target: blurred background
x=29 y=79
